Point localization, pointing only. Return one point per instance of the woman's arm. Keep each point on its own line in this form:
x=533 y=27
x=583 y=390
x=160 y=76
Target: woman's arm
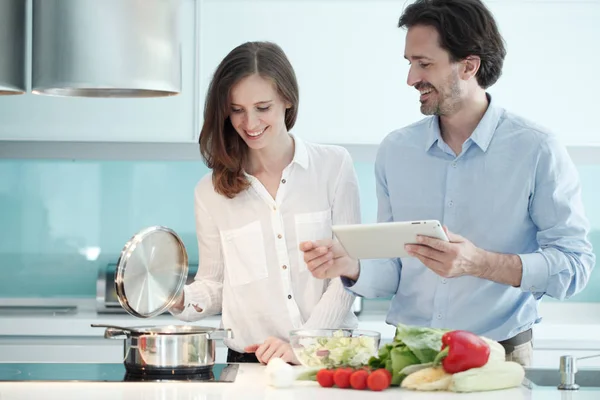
x=204 y=296
x=334 y=307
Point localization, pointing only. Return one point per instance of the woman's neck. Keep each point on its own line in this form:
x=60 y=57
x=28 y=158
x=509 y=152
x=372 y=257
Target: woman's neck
x=273 y=158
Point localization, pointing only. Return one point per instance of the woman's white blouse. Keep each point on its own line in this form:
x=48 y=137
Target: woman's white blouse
x=251 y=269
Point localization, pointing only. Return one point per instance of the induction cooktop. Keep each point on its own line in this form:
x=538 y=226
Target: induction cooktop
x=84 y=372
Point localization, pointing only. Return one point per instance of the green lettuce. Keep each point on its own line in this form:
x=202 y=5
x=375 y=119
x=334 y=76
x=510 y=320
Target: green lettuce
x=412 y=345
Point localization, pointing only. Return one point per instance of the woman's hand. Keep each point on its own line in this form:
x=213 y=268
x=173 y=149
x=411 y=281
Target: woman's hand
x=179 y=306
x=327 y=259
x=273 y=347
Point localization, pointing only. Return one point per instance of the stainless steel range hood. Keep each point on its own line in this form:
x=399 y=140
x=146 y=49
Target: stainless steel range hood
x=13 y=17
x=106 y=48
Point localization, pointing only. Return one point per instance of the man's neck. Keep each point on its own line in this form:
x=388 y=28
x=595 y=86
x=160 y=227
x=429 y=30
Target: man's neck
x=458 y=127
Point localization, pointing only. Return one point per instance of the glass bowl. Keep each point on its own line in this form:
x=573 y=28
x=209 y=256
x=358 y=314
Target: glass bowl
x=330 y=348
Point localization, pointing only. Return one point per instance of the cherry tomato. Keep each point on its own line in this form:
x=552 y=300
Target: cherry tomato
x=378 y=380
x=341 y=377
x=325 y=377
x=388 y=373
x=358 y=379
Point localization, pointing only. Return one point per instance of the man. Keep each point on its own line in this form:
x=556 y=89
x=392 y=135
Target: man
x=504 y=188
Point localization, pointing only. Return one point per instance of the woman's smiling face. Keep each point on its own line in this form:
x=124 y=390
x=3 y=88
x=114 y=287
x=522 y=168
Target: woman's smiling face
x=257 y=111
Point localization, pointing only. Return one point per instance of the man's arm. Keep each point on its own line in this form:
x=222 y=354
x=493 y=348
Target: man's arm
x=460 y=257
x=563 y=265
x=501 y=268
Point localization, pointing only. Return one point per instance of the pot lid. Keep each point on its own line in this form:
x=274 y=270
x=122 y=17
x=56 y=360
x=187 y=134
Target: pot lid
x=171 y=329
x=163 y=330
x=151 y=272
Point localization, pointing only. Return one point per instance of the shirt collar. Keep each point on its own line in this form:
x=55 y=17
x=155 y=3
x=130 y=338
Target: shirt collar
x=481 y=136
x=434 y=133
x=300 y=152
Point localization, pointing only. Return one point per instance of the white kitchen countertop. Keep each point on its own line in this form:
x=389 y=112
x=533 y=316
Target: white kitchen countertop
x=251 y=384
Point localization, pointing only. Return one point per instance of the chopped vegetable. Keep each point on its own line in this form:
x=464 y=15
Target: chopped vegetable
x=462 y=350
x=335 y=351
x=492 y=376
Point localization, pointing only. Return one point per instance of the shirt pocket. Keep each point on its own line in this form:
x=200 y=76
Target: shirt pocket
x=244 y=254
x=310 y=227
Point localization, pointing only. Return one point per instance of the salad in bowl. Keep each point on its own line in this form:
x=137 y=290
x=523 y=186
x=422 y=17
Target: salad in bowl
x=334 y=347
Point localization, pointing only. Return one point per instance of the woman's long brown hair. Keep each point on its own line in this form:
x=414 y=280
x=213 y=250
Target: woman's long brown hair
x=222 y=148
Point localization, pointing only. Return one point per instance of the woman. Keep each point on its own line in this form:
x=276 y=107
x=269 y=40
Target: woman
x=268 y=192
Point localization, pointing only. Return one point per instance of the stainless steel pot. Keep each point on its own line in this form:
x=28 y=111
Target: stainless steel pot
x=149 y=278
x=172 y=349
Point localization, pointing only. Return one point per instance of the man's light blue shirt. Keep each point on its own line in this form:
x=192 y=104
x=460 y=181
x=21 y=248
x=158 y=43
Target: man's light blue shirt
x=513 y=189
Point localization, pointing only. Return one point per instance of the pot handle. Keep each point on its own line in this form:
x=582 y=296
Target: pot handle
x=221 y=334
x=113 y=331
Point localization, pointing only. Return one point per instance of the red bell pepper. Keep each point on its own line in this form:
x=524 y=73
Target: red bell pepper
x=463 y=350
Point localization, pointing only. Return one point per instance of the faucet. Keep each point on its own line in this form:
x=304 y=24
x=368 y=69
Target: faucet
x=568 y=369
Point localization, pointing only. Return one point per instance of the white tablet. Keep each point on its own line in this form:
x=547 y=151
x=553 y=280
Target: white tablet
x=385 y=239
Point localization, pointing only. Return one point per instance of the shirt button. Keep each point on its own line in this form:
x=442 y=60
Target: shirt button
x=450 y=203
x=444 y=280
x=283 y=181
x=284 y=267
x=279 y=236
x=439 y=316
x=274 y=208
x=289 y=296
x=454 y=164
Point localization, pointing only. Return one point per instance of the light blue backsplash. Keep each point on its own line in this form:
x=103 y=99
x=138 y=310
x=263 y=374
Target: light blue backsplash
x=60 y=221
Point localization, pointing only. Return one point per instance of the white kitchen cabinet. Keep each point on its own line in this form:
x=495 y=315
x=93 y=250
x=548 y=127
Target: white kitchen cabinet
x=173 y=119
x=348 y=56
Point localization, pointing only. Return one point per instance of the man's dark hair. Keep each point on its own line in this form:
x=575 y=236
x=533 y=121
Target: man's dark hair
x=466 y=28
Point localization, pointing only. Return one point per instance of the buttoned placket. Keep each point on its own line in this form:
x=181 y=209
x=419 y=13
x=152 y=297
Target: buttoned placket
x=278 y=230
x=443 y=285
x=441 y=303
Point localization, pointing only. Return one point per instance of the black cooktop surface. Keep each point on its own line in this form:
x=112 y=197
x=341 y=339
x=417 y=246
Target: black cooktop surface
x=108 y=373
